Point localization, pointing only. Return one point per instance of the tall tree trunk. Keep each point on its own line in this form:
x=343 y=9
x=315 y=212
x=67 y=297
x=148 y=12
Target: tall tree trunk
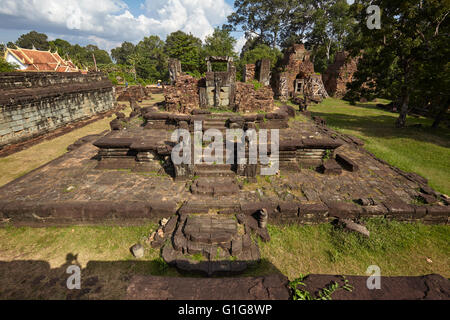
x=440 y=115
x=328 y=50
x=401 y=121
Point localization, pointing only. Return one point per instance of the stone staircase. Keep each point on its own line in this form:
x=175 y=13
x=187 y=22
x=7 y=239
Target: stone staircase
x=215 y=187
x=217 y=121
x=214 y=170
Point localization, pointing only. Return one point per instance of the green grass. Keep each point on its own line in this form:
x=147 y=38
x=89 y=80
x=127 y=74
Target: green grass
x=397 y=248
x=423 y=150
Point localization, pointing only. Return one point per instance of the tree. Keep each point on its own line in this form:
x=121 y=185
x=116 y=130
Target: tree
x=220 y=43
x=62 y=46
x=33 y=38
x=122 y=53
x=151 y=60
x=5 y=66
x=401 y=52
x=101 y=56
x=187 y=49
x=250 y=44
x=261 y=18
x=331 y=25
x=322 y=25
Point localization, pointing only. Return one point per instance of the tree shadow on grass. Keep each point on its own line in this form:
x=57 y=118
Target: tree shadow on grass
x=383 y=126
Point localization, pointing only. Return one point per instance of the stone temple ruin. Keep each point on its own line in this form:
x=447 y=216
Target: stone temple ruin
x=298 y=80
x=219 y=89
x=213 y=213
x=339 y=74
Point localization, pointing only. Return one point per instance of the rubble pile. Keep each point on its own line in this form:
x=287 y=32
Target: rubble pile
x=183 y=96
x=249 y=99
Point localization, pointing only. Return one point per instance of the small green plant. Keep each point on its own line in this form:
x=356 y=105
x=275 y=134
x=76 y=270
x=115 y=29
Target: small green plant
x=328 y=154
x=324 y=294
x=161 y=267
x=257 y=85
x=418 y=201
x=197 y=257
x=298 y=293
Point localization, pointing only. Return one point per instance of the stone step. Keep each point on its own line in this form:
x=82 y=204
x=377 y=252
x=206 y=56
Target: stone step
x=226 y=206
x=220 y=116
x=214 y=173
x=218 y=187
x=214 y=167
x=221 y=128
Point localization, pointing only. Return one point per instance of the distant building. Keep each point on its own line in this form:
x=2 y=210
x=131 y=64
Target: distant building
x=41 y=61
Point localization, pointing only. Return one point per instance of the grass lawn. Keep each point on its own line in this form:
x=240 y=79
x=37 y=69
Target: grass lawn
x=423 y=150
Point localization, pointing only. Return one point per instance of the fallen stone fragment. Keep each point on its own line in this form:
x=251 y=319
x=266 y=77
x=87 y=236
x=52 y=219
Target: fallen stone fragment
x=331 y=167
x=138 y=251
x=346 y=163
x=353 y=226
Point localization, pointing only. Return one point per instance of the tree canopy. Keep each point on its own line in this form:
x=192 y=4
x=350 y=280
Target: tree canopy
x=405 y=59
x=33 y=39
x=186 y=48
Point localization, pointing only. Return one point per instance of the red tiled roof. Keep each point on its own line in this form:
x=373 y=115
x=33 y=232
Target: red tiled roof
x=43 y=60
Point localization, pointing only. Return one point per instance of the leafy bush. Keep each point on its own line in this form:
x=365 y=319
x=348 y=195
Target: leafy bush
x=6 y=66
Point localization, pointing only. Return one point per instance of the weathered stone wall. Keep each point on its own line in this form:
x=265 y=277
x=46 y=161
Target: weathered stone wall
x=339 y=74
x=297 y=64
x=249 y=99
x=183 y=96
x=280 y=86
x=249 y=72
x=32 y=104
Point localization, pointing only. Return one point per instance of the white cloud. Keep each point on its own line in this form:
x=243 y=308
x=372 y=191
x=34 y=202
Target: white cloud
x=240 y=44
x=109 y=22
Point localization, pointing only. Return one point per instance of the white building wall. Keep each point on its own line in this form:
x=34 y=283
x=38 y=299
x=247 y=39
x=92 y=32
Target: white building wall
x=13 y=60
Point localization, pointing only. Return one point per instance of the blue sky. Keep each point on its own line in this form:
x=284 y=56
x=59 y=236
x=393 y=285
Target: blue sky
x=107 y=23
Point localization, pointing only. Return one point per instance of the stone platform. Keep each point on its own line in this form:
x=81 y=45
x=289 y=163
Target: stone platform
x=78 y=188
x=275 y=287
